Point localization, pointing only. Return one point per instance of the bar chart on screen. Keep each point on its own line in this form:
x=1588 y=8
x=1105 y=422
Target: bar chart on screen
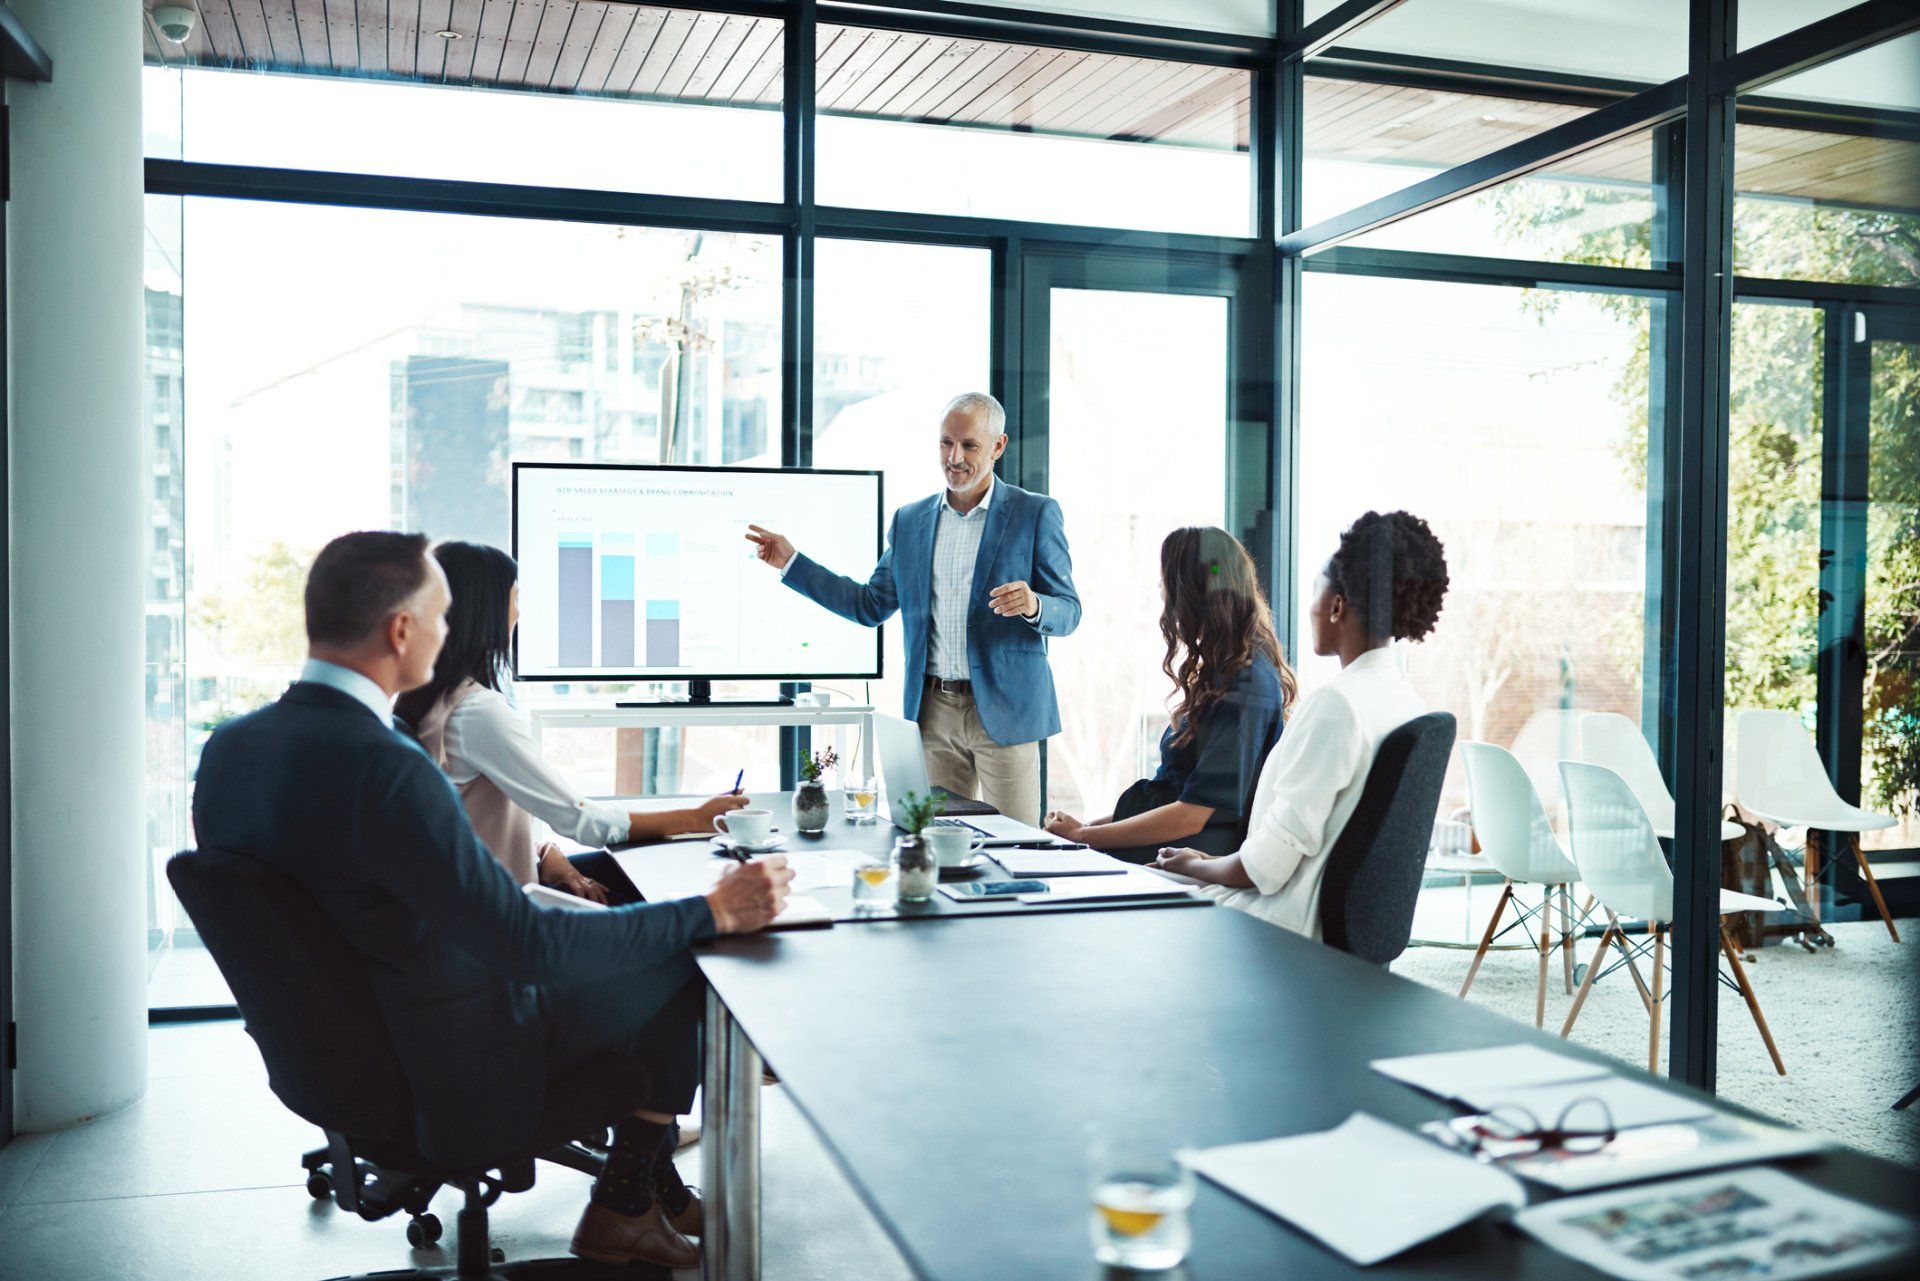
x=646 y=571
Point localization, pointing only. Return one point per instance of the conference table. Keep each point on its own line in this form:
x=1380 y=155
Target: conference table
x=954 y=1066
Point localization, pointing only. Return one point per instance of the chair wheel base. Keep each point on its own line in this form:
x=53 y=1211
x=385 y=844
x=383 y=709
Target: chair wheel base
x=423 y=1230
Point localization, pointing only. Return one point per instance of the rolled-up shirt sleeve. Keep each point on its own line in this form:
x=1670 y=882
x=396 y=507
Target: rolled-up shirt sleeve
x=1315 y=758
x=495 y=741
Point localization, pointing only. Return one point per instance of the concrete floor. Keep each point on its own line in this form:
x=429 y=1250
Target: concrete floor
x=201 y=1181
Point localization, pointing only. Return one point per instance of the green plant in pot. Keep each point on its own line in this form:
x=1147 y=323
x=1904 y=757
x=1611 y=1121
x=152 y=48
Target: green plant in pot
x=916 y=869
x=810 y=804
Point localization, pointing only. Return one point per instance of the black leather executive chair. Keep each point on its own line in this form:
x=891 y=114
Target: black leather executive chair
x=308 y=1006
x=1374 y=870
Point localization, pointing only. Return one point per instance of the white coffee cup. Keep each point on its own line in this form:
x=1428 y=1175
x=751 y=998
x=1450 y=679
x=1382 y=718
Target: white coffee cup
x=745 y=827
x=952 y=846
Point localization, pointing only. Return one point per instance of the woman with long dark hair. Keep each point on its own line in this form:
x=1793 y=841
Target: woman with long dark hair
x=1231 y=691
x=1385 y=582
x=464 y=720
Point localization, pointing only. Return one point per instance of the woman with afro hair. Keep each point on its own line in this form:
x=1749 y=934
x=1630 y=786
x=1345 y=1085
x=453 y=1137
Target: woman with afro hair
x=1384 y=583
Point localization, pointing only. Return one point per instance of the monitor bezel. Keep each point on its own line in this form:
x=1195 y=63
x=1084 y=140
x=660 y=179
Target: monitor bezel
x=611 y=676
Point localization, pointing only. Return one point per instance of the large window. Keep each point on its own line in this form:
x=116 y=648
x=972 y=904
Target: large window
x=1137 y=447
x=899 y=330
x=1515 y=422
x=942 y=125
x=635 y=98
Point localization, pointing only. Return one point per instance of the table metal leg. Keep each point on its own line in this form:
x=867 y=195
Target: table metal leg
x=730 y=1150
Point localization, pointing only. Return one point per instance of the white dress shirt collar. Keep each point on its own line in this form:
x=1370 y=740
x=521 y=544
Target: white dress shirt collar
x=352 y=684
x=986 y=500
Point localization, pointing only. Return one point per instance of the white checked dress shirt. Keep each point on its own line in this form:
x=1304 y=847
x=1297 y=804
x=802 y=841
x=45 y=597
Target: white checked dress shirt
x=956 y=546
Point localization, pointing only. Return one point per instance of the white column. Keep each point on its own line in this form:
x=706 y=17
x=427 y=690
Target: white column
x=79 y=508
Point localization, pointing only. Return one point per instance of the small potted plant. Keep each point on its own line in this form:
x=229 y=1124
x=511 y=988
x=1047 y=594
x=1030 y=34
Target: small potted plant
x=810 y=798
x=916 y=869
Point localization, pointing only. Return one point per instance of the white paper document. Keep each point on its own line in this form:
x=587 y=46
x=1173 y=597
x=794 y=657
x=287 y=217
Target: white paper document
x=1022 y=863
x=1629 y=1104
x=1743 y=1223
x=1365 y=1189
x=1458 y=1074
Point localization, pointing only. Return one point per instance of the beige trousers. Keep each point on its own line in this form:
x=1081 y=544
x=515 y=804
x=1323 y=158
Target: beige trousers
x=963 y=760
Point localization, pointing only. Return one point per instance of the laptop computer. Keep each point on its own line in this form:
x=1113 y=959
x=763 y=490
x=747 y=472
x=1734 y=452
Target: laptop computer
x=903 y=769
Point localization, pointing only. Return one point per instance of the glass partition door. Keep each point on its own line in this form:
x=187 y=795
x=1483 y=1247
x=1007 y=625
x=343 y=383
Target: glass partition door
x=1131 y=419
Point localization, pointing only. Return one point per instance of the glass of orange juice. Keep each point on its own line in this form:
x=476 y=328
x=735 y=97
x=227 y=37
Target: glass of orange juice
x=1140 y=1198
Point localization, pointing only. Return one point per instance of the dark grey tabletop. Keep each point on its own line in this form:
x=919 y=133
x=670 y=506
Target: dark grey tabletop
x=673 y=869
x=953 y=1068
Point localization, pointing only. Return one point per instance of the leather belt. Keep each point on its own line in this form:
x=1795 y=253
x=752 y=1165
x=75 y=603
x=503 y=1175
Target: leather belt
x=962 y=688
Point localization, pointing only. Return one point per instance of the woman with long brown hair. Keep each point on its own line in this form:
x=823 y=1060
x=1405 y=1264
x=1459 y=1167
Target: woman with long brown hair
x=1231 y=691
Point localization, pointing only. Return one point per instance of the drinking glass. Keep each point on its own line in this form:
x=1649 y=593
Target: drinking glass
x=1140 y=1197
x=862 y=797
x=873 y=886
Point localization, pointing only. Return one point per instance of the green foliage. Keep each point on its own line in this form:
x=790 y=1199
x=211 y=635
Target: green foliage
x=1774 y=554
x=917 y=811
x=267 y=621
x=814 y=764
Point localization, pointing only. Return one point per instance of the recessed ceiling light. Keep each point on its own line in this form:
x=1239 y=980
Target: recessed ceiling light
x=449 y=35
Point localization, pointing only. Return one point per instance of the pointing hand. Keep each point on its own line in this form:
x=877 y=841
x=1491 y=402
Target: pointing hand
x=772 y=548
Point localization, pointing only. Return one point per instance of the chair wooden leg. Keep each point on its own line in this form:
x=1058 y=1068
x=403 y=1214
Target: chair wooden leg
x=1753 y=1002
x=1486 y=940
x=1545 y=938
x=1810 y=874
x=1653 y=1017
x=1633 y=966
x=1566 y=936
x=1593 y=971
x=1873 y=887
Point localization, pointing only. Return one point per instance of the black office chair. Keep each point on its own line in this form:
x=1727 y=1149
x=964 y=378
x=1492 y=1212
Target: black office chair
x=307 y=1004
x=1374 y=870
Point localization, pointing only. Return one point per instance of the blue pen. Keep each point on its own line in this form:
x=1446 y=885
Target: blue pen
x=736 y=781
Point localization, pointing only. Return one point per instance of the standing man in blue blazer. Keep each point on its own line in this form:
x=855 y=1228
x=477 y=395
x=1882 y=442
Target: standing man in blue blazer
x=981 y=575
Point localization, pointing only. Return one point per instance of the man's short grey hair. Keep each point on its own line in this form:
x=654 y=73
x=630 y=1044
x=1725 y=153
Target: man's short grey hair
x=978 y=403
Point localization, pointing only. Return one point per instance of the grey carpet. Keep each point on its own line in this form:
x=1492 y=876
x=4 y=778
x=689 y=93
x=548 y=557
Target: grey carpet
x=1846 y=1019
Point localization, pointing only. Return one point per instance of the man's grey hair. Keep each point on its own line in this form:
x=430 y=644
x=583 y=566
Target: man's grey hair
x=980 y=404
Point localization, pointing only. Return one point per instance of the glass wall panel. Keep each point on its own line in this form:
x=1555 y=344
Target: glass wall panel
x=175 y=974
x=388 y=383
x=944 y=125
x=1642 y=40
x=1365 y=141
x=1128 y=373
x=899 y=330
x=1890 y=755
x=1514 y=422
x=1840 y=200
x=630 y=98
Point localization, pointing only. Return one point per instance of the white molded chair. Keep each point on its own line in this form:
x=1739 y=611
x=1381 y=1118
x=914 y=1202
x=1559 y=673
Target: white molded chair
x=1782 y=780
x=1610 y=739
x=1520 y=844
x=1621 y=862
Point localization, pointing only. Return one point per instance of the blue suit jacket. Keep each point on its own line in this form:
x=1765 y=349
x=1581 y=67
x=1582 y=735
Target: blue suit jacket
x=316 y=787
x=1025 y=539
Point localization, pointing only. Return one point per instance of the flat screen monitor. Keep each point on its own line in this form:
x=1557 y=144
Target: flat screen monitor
x=645 y=573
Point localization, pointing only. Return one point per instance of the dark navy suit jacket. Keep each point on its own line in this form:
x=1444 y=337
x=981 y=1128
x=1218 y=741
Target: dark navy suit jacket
x=1025 y=540
x=317 y=788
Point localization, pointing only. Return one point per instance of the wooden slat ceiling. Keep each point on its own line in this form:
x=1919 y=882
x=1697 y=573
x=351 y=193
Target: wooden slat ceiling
x=609 y=48
x=1431 y=129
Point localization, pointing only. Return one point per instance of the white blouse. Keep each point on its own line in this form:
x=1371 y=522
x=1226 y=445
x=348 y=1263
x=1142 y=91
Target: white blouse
x=1310 y=786
x=487 y=736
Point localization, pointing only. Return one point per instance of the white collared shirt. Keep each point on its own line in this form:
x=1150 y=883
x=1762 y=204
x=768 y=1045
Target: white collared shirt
x=1310 y=786
x=956 y=547
x=362 y=689
x=486 y=735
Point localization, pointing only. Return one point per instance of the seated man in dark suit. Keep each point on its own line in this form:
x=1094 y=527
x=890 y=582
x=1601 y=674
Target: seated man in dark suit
x=486 y=995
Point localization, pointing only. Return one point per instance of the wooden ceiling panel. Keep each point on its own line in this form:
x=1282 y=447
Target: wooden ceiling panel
x=761 y=49
x=666 y=47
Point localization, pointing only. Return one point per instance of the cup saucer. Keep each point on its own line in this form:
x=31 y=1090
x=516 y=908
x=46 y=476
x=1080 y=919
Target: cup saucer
x=966 y=868
x=724 y=845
